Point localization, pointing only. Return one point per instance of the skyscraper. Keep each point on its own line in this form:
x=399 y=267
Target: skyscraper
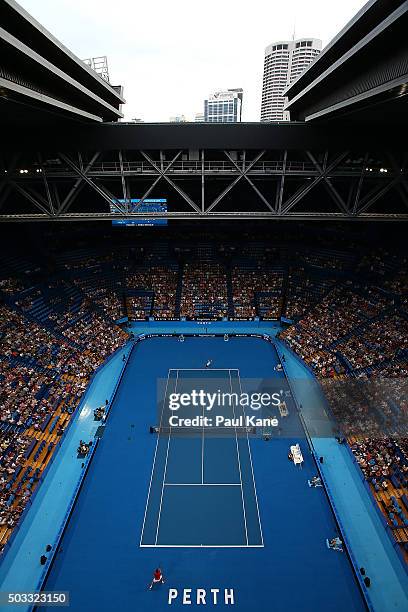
x=224 y=106
x=284 y=62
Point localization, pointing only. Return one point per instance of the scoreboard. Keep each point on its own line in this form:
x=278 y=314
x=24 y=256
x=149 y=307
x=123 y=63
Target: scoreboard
x=134 y=205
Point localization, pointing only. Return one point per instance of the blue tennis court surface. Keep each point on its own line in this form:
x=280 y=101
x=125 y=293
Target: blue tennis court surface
x=214 y=512
x=202 y=490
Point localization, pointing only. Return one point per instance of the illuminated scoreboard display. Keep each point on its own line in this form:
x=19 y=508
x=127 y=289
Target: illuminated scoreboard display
x=134 y=205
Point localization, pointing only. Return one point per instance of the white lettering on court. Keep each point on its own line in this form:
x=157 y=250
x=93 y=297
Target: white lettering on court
x=201 y=595
x=172 y=595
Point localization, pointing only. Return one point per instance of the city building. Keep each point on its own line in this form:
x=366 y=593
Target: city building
x=178 y=119
x=199 y=118
x=224 y=106
x=284 y=63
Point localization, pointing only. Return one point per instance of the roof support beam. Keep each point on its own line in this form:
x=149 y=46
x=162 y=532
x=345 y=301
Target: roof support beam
x=304 y=190
x=35 y=201
x=77 y=187
x=102 y=191
x=242 y=173
x=163 y=174
x=52 y=185
x=328 y=184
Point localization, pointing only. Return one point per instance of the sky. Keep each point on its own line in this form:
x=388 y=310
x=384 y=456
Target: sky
x=171 y=54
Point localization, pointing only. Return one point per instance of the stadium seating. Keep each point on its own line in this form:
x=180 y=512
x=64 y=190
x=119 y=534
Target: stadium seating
x=43 y=374
x=57 y=326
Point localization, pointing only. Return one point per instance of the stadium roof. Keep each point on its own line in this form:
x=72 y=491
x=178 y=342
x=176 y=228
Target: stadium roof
x=362 y=74
x=65 y=156
x=198 y=136
x=41 y=81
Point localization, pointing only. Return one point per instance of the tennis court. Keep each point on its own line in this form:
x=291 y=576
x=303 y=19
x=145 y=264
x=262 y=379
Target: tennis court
x=202 y=490
x=181 y=500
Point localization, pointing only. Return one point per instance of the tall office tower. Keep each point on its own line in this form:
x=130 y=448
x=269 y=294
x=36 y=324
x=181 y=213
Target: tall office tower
x=224 y=106
x=284 y=63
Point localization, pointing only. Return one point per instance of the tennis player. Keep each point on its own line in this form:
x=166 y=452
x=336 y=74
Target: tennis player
x=157 y=578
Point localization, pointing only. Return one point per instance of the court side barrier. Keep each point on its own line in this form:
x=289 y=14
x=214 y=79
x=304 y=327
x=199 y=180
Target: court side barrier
x=55 y=545
x=56 y=448
x=323 y=398
x=358 y=469
x=338 y=521
x=66 y=518
x=292 y=352
x=387 y=528
x=119 y=379
x=342 y=530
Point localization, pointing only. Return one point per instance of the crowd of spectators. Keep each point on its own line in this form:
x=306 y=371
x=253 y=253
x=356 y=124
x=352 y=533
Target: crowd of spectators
x=250 y=283
x=41 y=372
x=204 y=291
x=379 y=263
x=383 y=461
x=110 y=301
x=270 y=305
x=11 y=285
x=26 y=303
x=160 y=280
x=399 y=283
x=20 y=393
x=359 y=337
x=97 y=339
x=304 y=290
x=382 y=340
x=28 y=396
x=25 y=339
x=350 y=323
x=12 y=448
x=138 y=306
x=346 y=329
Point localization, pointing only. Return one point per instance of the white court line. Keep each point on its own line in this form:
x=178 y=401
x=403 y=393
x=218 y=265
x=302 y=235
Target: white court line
x=204 y=370
x=165 y=471
x=202 y=484
x=239 y=466
x=201 y=546
x=252 y=467
x=247 y=545
x=154 y=460
x=202 y=450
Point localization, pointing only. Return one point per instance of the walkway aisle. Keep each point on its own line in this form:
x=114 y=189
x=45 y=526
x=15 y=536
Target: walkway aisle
x=20 y=569
x=370 y=542
x=371 y=546
x=208 y=327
